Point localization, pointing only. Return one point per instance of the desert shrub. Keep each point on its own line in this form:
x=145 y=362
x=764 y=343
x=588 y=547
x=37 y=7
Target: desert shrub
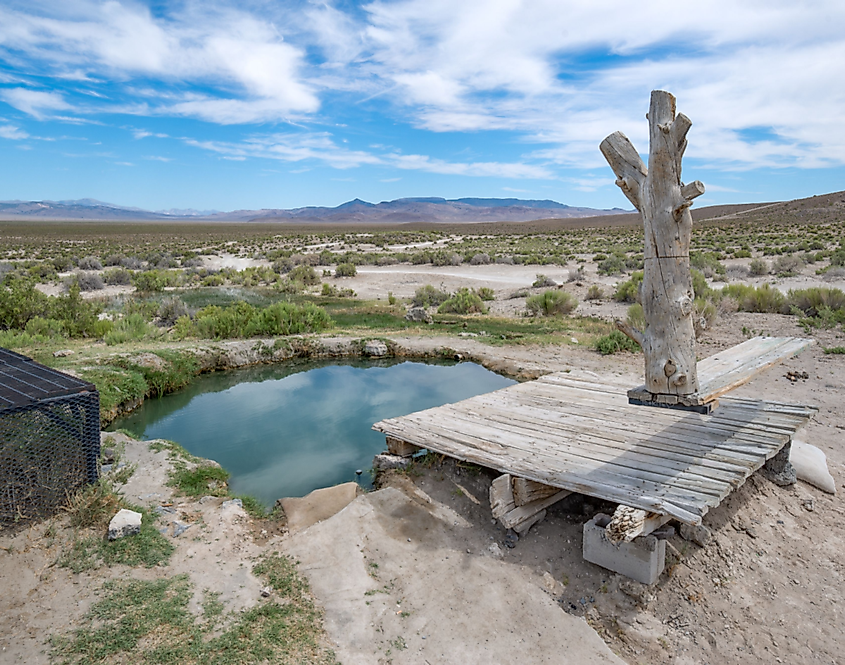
x=90 y=263
x=153 y=280
x=612 y=265
x=290 y=287
x=486 y=293
x=48 y=328
x=813 y=300
x=89 y=281
x=742 y=254
x=614 y=342
x=763 y=299
x=700 y=287
x=505 y=260
x=595 y=292
x=443 y=257
x=215 y=279
x=170 y=310
x=62 y=264
x=786 y=265
x=113 y=259
x=597 y=258
x=837 y=258
x=329 y=290
x=738 y=272
x=42 y=271
x=244 y=320
x=834 y=273
x=117 y=276
x=629 y=290
x=132 y=263
x=130 y=328
x=543 y=282
x=387 y=261
x=304 y=274
x=636 y=317
x=704 y=316
x=345 y=270
x=428 y=296
x=283 y=265
x=463 y=301
x=575 y=275
x=551 y=303
x=758 y=267
x=708 y=263
x=284 y=318
x=480 y=259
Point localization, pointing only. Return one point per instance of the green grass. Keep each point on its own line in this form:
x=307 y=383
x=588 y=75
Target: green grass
x=116 y=386
x=200 y=481
x=149 y=622
x=90 y=511
x=615 y=342
x=836 y=350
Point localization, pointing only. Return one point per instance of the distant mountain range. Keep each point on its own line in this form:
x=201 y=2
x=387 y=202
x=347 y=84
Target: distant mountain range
x=422 y=209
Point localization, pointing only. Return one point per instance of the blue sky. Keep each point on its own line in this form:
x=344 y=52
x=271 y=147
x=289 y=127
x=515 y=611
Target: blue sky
x=217 y=104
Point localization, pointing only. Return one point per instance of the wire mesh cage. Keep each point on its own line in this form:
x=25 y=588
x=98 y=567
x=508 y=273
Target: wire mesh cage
x=49 y=437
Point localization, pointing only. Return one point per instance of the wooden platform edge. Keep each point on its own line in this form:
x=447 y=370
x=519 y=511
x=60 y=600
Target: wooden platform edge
x=711 y=387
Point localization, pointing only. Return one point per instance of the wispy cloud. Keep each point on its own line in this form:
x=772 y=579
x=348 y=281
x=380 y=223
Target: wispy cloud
x=321 y=148
x=12 y=133
x=36 y=103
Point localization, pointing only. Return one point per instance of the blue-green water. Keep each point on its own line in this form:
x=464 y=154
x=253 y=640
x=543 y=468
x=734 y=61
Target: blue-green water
x=287 y=430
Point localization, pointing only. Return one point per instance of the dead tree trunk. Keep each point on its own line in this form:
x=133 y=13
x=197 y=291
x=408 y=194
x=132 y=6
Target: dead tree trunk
x=668 y=342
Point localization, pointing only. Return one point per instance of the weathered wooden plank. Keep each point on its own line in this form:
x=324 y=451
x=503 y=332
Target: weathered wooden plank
x=520 y=514
x=729 y=369
x=525 y=491
x=628 y=523
x=401 y=448
x=501 y=496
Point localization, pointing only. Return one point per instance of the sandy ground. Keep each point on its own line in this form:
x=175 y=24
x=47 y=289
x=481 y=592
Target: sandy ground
x=767 y=589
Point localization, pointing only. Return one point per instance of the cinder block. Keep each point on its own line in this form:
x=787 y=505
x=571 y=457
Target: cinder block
x=641 y=560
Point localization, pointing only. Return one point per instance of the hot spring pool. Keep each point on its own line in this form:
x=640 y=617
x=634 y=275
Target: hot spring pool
x=284 y=430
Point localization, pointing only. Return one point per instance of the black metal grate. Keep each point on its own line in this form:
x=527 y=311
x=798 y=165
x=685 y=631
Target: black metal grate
x=49 y=437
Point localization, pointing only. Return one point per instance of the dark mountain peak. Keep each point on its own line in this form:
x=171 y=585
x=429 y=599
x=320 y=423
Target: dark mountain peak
x=355 y=202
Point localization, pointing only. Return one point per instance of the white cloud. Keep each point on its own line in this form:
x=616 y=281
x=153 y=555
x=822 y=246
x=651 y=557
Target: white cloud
x=239 y=55
x=12 y=133
x=321 y=147
x=34 y=102
x=490 y=169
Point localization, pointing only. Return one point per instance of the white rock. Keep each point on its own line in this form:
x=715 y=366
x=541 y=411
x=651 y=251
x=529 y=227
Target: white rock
x=376 y=348
x=62 y=353
x=125 y=523
x=811 y=466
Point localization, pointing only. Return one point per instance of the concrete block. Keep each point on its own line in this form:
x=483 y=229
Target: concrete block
x=125 y=523
x=641 y=560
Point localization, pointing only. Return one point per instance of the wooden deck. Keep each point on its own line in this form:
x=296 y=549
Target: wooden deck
x=584 y=436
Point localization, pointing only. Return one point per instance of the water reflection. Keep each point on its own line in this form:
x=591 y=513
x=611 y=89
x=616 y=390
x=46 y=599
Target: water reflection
x=286 y=430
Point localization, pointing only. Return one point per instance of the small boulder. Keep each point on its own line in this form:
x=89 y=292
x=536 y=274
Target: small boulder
x=375 y=348
x=699 y=534
x=418 y=315
x=385 y=461
x=811 y=466
x=62 y=353
x=125 y=523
